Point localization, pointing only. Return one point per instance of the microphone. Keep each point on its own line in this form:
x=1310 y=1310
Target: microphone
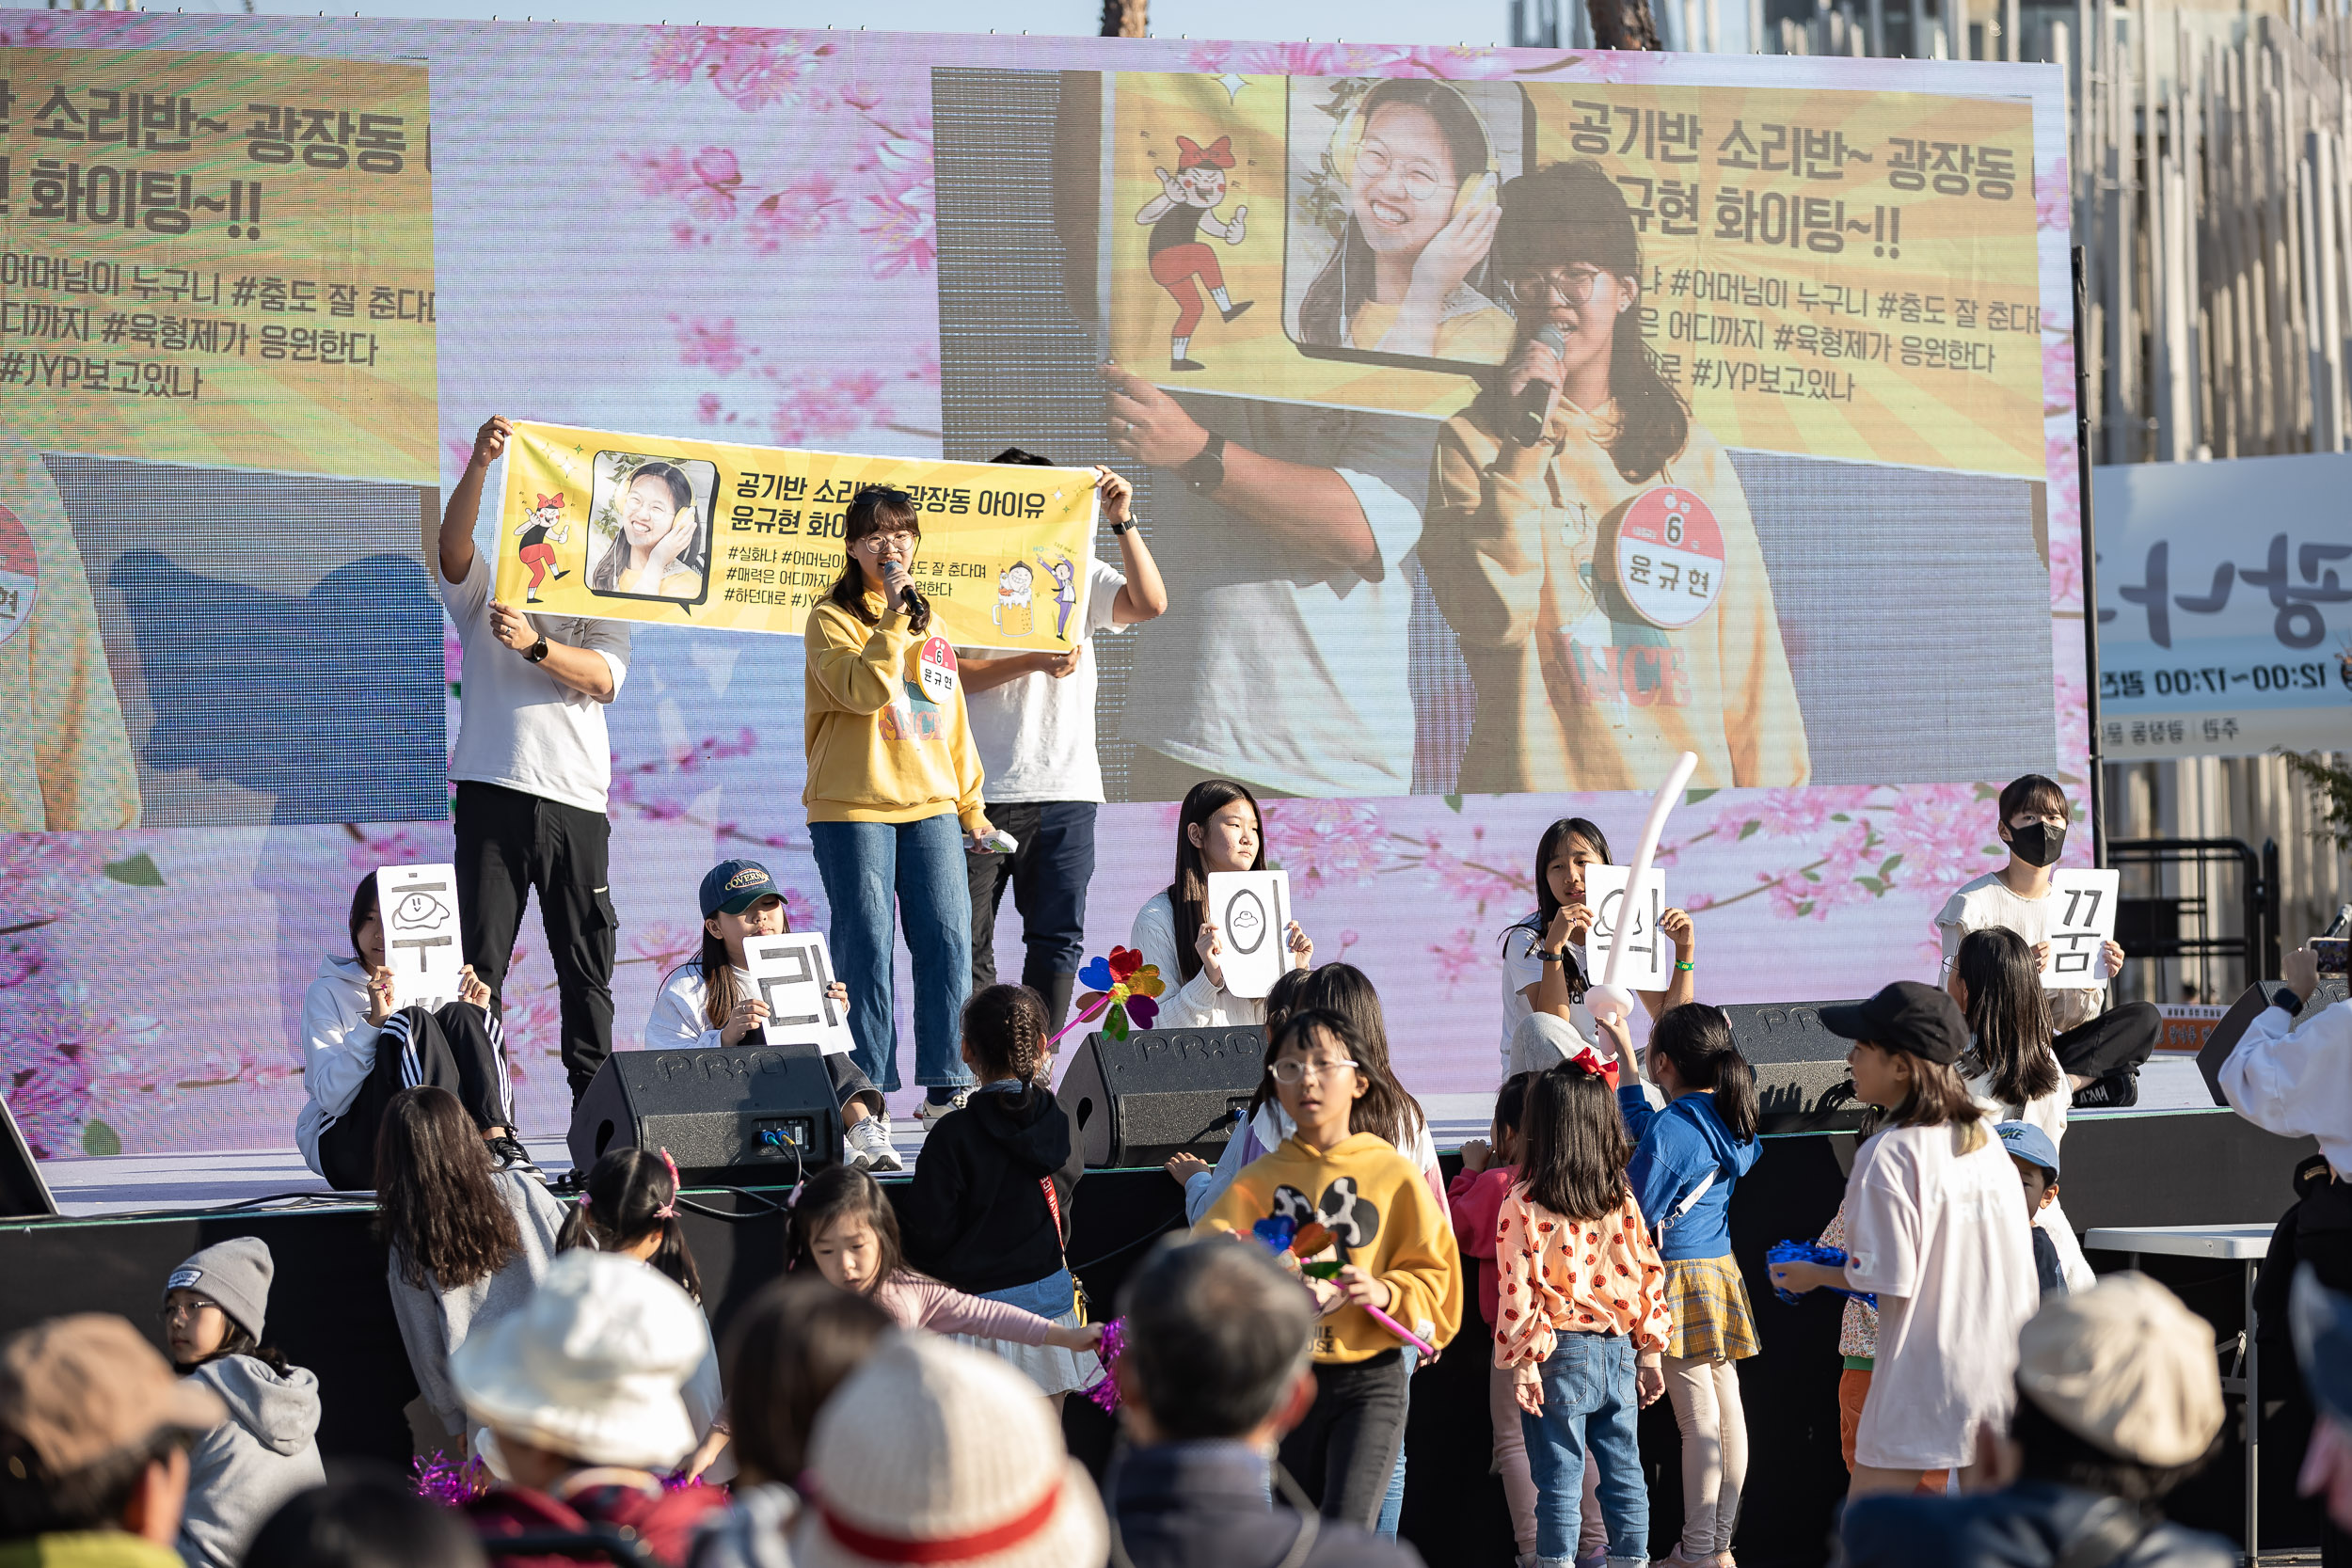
x=1531 y=412
x=909 y=600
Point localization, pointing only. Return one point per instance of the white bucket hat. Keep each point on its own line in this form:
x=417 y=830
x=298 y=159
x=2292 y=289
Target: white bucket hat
x=592 y=1366
x=968 y=1469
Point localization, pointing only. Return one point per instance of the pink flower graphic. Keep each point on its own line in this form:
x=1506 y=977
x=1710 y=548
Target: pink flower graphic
x=706 y=408
x=1325 y=841
x=817 y=404
x=752 y=68
x=702 y=342
x=2054 y=198
x=801 y=210
x=1343 y=59
x=660 y=173
x=49 y=1092
x=717 y=178
x=2066 y=569
x=2058 y=375
x=665 y=944
x=1462 y=956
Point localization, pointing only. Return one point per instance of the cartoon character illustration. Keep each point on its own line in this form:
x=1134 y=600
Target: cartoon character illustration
x=1065 y=574
x=542 y=529
x=1353 y=1219
x=1293 y=1205
x=1187 y=204
x=1013 y=615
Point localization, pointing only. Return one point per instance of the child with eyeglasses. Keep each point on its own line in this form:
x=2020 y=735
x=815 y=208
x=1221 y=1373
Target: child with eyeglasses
x=1598 y=563
x=1388 y=1248
x=892 y=773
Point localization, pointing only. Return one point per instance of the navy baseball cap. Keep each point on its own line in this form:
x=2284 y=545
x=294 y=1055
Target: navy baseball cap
x=2027 y=1142
x=735 y=886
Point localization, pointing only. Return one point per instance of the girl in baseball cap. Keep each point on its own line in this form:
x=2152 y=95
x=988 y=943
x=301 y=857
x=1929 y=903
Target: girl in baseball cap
x=1931 y=1214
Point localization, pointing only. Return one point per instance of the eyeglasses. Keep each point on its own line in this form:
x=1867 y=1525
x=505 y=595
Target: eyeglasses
x=1573 y=285
x=902 y=539
x=174 y=1311
x=1373 y=163
x=1290 y=1069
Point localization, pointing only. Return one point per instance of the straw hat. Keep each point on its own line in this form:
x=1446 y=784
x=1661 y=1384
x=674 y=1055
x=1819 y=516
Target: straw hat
x=592 y=1366
x=965 y=1467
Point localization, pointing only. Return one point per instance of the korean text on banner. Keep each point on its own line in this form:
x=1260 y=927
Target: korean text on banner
x=417 y=905
x=793 y=974
x=733 y=538
x=1251 y=910
x=2082 y=923
x=219 y=259
x=1649 y=958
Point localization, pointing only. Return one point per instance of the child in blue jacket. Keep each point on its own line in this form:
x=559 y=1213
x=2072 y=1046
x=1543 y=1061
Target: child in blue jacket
x=1688 y=1158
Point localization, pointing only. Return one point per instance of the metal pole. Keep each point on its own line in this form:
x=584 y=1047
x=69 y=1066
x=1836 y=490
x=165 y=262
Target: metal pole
x=2096 y=786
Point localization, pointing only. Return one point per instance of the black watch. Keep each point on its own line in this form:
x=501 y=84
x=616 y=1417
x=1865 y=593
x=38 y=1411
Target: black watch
x=537 y=652
x=1118 y=528
x=1205 y=474
x=2285 y=997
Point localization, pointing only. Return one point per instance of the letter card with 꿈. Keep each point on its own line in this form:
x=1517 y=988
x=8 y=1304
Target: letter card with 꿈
x=2082 y=923
x=418 y=905
x=793 y=974
x=1251 y=911
x=1650 y=957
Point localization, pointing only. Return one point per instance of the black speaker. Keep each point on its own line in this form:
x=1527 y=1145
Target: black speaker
x=23 y=1191
x=734 y=1115
x=1801 y=1082
x=1161 y=1092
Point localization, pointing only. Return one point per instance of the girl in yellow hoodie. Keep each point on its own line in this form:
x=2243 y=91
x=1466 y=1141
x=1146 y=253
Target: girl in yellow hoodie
x=891 y=771
x=1339 y=1167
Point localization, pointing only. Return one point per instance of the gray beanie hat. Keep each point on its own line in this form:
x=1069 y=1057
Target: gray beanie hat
x=234 y=1276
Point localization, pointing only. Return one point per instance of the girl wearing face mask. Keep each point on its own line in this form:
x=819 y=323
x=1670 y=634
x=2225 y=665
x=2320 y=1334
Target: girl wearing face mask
x=657 y=552
x=1218 y=828
x=891 y=771
x=1410 y=275
x=2099 y=1047
x=1601 y=567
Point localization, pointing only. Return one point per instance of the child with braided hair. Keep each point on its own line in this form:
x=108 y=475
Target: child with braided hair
x=628 y=1206
x=989 y=1209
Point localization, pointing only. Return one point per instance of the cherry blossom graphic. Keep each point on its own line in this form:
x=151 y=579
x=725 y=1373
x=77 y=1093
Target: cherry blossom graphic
x=1344 y=60
x=752 y=68
x=1325 y=841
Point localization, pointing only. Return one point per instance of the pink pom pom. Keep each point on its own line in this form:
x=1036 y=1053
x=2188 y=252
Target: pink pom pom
x=1105 y=1393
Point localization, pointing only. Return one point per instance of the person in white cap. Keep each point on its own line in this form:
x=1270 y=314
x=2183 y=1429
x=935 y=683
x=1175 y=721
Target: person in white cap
x=2120 y=1402
x=578 y=1392
x=215 y=1311
x=968 y=1469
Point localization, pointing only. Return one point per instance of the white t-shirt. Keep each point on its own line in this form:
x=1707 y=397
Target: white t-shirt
x=1988 y=902
x=1193 y=1003
x=1036 y=733
x=519 y=726
x=1941 y=1238
x=1522 y=969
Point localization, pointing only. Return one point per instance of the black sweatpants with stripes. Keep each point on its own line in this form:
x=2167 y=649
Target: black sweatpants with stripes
x=456 y=1048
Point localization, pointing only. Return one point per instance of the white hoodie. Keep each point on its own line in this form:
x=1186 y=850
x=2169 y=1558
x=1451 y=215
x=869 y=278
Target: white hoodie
x=337 y=1049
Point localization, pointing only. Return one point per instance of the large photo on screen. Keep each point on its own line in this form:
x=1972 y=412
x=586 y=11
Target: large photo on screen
x=1815 y=519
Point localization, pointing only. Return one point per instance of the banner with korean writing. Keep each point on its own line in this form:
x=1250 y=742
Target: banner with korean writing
x=219 y=259
x=2225 y=605
x=1849 y=275
x=731 y=538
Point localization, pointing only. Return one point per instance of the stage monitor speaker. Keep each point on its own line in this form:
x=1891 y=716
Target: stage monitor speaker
x=1161 y=1092
x=1802 y=1081
x=734 y=1115
x=23 y=1191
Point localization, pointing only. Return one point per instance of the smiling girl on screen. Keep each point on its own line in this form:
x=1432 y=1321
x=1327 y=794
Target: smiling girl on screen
x=657 y=551
x=1411 y=274
x=1597 y=666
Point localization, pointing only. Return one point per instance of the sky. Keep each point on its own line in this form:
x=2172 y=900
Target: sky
x=1370 y=21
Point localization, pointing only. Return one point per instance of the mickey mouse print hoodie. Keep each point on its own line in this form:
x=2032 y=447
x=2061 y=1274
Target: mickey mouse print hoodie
x=1385 y=1221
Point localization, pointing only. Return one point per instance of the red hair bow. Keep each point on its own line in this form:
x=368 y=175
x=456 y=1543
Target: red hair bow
x=1588 y=1060
x=556 y=499
x=1191 y=155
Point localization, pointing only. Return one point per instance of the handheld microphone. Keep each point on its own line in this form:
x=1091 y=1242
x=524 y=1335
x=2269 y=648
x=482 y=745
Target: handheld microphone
x=907 y=600
x=1531 y=414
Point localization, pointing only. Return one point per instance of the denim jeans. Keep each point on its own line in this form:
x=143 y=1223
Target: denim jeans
x=870 y=867
x=1588 y=1400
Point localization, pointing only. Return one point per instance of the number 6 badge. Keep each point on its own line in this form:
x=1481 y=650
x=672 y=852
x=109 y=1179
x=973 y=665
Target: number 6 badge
x=1666 y=553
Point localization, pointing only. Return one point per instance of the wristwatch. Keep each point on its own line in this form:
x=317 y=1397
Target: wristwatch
x=1205 y=473
x=1551 y=958
x=1118 y=528
x=2285 y=997
x=537 y=652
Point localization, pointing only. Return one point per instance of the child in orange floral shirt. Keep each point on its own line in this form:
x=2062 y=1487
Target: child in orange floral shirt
x=1580 y=1293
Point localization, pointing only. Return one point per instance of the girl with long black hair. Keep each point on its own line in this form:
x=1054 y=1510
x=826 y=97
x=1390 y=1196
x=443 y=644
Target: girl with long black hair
x=657 y=551
x=1218 y=828
x=1600 y=566
x=891 y=771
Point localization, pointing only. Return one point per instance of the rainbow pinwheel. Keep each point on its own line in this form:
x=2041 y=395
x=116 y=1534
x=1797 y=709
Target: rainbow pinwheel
x=1119 y=987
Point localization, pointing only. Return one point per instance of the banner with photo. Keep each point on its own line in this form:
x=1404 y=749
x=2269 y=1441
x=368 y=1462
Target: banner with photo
x=680 y=533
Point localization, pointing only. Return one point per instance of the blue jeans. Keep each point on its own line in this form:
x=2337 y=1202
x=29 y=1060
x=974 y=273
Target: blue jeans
x=867 y=868
x=1588 y=1400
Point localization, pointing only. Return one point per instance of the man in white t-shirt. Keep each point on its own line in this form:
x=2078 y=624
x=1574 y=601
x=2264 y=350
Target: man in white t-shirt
x=2101 y=1048
x=533 y=768
x=1032 y=717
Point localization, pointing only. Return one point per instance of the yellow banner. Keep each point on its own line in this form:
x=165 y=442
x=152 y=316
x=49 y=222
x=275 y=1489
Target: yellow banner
x=704 y=533
x=219 y=259
x=1848 y=274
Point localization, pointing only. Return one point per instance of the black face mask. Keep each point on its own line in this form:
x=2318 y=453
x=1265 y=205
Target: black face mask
x=2038 y=843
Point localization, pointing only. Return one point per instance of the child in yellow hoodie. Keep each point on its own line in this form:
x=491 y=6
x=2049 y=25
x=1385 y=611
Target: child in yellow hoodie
x=1391 y=1237
x=892 y=770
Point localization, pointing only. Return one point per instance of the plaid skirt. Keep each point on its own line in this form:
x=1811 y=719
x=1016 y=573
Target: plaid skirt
x=1710 y=1303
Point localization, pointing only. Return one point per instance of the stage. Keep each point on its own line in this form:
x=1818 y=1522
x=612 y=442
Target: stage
x=130 y=1219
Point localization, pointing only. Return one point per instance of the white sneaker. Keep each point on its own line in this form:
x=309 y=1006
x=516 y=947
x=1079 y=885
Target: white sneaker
x=869 y=1146
x=926 y=1114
